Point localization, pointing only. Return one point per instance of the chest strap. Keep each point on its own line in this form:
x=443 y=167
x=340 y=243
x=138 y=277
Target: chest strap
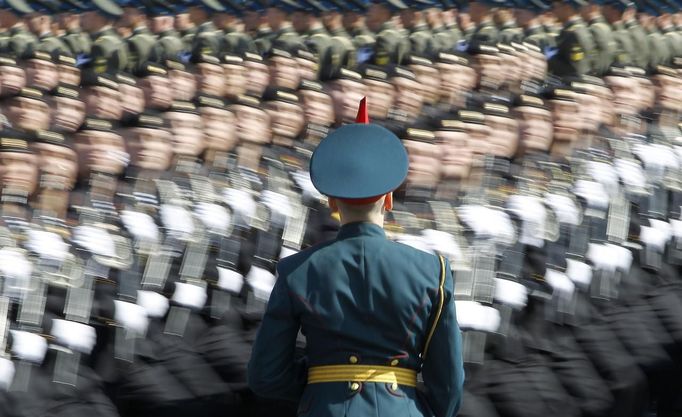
x=362 y=373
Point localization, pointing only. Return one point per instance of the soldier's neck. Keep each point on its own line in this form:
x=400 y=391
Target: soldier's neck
x=54 y=203
x=249 y=155
x=283 y=141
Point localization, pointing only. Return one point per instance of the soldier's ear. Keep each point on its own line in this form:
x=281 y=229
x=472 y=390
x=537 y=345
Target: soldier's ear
x=332 y=205
x=388 y=202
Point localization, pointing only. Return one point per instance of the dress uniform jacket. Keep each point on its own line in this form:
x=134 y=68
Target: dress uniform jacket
x=361 y=300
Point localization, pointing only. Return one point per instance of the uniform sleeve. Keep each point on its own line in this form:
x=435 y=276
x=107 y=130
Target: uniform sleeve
x=273 y=370
x=443 y=370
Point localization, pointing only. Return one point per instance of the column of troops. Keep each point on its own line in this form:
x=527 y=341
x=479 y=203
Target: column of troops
x=153 y=169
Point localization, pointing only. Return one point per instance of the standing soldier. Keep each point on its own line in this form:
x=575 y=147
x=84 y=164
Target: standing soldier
x=19 y=38
x=576 y=50
x=376 y=376
x=659 y=53
x=108 y=52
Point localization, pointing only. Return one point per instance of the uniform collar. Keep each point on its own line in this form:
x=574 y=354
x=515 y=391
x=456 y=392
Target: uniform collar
x=358 y=229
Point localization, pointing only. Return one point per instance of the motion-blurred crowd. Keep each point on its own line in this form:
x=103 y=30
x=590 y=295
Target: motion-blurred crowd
x=153 y=169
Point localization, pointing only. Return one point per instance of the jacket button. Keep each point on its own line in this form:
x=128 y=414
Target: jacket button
x=354 y=386
x=394 y=386
x=353 y=359
x=395 y=362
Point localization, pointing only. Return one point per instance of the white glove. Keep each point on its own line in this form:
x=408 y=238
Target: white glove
x=533 y=214
x=241 y=202
x=155 y=304
x=230 y=280
x=177 y=220
x=560 y=282
x=215 y=217
x=6 y=373
x=443 y=243
x=189 y=295
x=593 y=192
x=47 y=244
x=131 y=316
x=565 y=208
x=96 y=240
x=277 y=203
x=76 y=336
x=140 y=225
x=510 y=293
x=262 y=282
x=578 y=272
x=474 y=316
x=28 y=346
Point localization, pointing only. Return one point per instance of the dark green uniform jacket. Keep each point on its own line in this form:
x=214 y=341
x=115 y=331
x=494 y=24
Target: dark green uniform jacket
x=361 y=299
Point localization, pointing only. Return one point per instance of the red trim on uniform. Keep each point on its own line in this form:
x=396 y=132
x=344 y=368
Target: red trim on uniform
x=361 y=201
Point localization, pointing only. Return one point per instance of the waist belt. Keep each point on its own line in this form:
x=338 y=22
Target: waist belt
x=362 y=373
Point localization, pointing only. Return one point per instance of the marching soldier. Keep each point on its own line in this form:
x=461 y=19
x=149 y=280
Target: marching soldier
x=141 y=40
x=108 y=52
x=78 y=42
x=625 y=48
x=40 y=23
x=603 y=37
x=17 y=39
x=576 y=51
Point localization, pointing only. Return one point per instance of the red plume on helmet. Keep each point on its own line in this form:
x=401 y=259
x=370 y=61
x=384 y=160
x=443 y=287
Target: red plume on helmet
x=362 y=116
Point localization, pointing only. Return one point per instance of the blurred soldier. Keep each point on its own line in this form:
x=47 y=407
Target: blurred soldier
x=458 y=79
x=672 y=38
x=317 y=110
x=456 y=158
x=100 y=150
x=277 y=15
x=565 y=117
x=141 y=40
x=209 y=74
x=485 y=32
x=41 y=71
x=379 y=16
x=423 y=156
x=354 y=23
x=186 y=129
x=638 y=35
x=257 y=75
x=18 y=178
x=286 y=123
x=149 y=144
x=486 y=61
x=447 y=37
x=576 y=51
x=535 y=124
x=169 y=46
x=428 y=77
x=253 y=131
x=422 y=43
x=234 y=74
x=659 y=53
x=235 y=40
x=40 y=23
x=603 y=37
x=509 y=30
x=283 y=70
x=153 y=79
x=345 y=88
x=12 y=77
x=332 y=19
x=528 y=17
x=613 y=11
x=184 y=25
x=504 y=130
x=379 y=92
x=66 y=68
x=27 y=110
x=70 y=20
x=18 y=38
x=219 y=128
x=101 y=96
x=183 y=83
x=67 y=109
x=131 y=96
x=108 y=52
